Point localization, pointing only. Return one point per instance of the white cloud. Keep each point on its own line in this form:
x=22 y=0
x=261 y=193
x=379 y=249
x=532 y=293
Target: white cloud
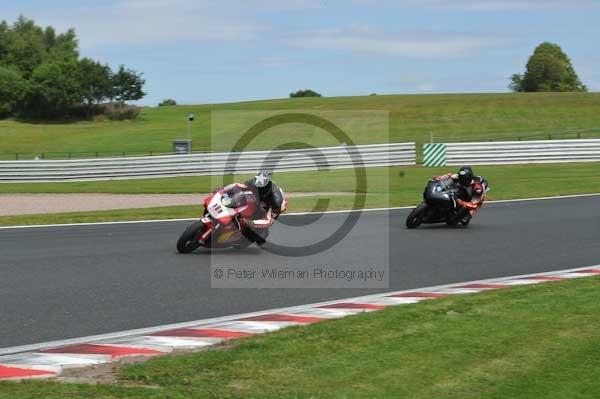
x=135 y=22
x=151 y=22
x=483 y=5
x=284 y=5
x=275 y=62
x=512 y=5
x=426 y=87
x=423 y=44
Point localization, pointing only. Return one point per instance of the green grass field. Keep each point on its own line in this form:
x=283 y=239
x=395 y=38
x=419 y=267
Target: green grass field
x=456 y=347
x=448 y=117
x=385 y=187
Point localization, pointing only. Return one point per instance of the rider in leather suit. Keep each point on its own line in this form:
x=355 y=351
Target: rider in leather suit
x=471 y=191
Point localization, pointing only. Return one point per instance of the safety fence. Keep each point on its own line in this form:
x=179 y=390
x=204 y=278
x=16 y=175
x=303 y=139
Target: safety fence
x=511 y=152
x=389 y=154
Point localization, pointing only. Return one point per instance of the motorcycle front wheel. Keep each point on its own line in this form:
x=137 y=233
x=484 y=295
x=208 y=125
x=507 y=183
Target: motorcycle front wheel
x=415 y=218
x=189 y=240
x=465 y=221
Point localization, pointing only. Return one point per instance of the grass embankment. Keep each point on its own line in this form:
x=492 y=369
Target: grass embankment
x=385 y=187
x=448 y=117
x=525 y=342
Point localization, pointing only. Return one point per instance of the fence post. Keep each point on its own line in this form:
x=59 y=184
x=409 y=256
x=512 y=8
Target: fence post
x=16 y=156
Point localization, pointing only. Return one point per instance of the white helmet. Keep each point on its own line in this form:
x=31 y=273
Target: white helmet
x=262 y=179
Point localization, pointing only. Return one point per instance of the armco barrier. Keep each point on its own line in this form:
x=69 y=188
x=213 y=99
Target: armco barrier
x=389 y=154
x=512 y=152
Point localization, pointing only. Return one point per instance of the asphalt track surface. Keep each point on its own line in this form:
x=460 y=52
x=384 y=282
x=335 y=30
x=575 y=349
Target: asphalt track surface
x=65 y=282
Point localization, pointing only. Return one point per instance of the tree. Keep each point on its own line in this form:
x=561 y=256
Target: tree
x=305 y=93
x=12 y=90
x=55 y=88
x=26 y=46
x=4 y=41
x=41 y=74
x=167 y=102
x=127 y=85
x=95 y=81
x=66 y=45
x=50 y=37
x=548 y=69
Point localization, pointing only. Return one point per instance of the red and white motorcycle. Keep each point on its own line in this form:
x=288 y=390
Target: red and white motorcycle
x=228 y=212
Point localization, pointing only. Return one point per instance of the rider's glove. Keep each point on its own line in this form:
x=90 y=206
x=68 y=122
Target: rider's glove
x=264 y=223
x=467 y=204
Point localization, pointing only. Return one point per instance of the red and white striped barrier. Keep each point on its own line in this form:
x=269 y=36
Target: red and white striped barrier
x=50 y=359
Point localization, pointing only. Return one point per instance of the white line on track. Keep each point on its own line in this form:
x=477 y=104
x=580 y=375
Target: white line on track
x=290 y=309
x=286 y=214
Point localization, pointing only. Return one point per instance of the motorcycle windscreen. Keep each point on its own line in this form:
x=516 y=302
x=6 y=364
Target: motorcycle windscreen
x=234 y=198
x=217 y=210
x=436 y=194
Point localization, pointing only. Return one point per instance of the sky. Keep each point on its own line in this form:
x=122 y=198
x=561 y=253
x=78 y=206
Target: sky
x=204 y=51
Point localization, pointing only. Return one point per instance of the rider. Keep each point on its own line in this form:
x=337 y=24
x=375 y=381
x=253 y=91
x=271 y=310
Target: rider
x=271 y=204
x=268 y=193
x=471 y=190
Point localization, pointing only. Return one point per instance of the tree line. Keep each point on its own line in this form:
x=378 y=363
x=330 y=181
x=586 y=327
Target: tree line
x=42 y=75
x=305 y=93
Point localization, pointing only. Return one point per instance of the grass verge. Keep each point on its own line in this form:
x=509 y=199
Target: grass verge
x=394 y=186
x=525 y=342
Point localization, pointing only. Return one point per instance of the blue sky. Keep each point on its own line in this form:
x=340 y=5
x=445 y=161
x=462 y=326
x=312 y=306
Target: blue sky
x=220 y=51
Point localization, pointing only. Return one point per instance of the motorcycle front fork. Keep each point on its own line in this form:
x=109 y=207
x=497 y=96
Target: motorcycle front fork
x=464 y=214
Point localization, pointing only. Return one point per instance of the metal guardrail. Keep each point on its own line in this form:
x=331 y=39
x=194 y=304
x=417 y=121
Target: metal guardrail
x=389 y=154
x=512 y=152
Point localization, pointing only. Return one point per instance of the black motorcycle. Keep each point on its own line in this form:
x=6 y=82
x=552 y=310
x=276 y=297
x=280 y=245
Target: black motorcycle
x=439 y=205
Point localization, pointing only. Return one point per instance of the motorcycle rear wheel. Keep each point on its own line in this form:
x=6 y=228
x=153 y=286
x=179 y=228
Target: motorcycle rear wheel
x=189 y=240
x=415 y=218
x=243 y=244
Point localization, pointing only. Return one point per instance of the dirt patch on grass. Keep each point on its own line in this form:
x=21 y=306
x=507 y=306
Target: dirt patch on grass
x=109 y=373
x=31 y=204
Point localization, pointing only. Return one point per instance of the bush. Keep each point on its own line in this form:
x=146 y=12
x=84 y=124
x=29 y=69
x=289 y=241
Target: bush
x=121 y=112
x=100 y=118
x=167 y=102
x=305 y=93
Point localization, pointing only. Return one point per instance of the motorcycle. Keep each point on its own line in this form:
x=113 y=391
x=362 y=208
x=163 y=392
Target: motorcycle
x=441 y=204
x=228 y=213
